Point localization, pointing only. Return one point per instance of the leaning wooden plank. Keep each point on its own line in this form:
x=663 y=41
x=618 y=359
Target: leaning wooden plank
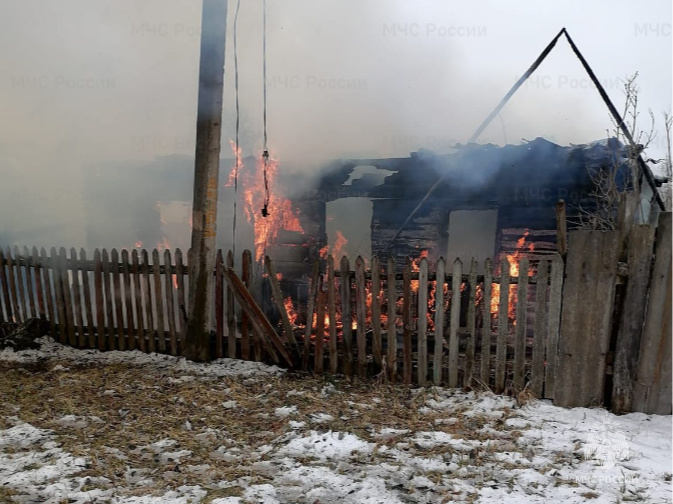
x=310 y=310
x=280 y=305
x=503 y=328
x=147 y=298
x=170 y=307
x=20 y=282
x=331 y=310
x=257 y=318
x=117 y=298
x=86 y=290
x=486 y=325
x=246 y=265
x=231 y=313
x=439 y=322
x=137 y=291
x=100 y=299
x=128 y=299
x=554 y=325
x=158 y=301
x=520 y=329
x=77 y=297
x=11 y=275
x=181 y=326
x=219 y=305
x=454 y=340
x=4 y=283
x=471 y=325
x=652 y=389
x=406 y=322
x=391 y=336
x=41 y=311
x=361 y=315
x=640 y=245
x=109 y=303
x=537 y=370
x=422 y=333
x=30 y=268
x=376 y=310
x=346 y=322
x=318 y=357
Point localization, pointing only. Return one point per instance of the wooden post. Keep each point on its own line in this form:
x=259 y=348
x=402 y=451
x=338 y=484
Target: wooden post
x=406 y=323
x=346 y=321
x=170 y=307
x=48 y=291
x=206 y=169
x=27 y=260
x=537 y=371
x=138 y=301
x=147 y=296
x=19 y=283
x=231 y=312
x=310 y=310
x=159 y=301
x=554 y=325
x=331 y=310
x=503 y=328
x=182 y=304
x=76 y=296
x=117 y=296
x=5 y=288
x=361 y=315
x=561 y=229
x=376 y=310
x=38 y=284
x=219 y=306
x=471 y=325
x=280 y=304
x=318 y=357
x=109 y=307
x=98 y=288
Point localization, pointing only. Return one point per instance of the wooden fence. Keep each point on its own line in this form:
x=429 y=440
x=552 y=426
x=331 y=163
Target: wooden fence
x=572 y=329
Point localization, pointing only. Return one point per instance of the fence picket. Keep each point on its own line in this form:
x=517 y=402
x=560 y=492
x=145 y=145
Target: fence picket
x=376 y=310
x=25 y=315
x=454 y=341
x=422 y=333
x=537 y=370
x=219 y=305
x=246 y=267
x=486 y=324
x=391 y=336
x=331 y=310
x=318 y=359
x=108 y=293
x=503 y=328
x=98 y=287
x=147 y=298
x=231 y=313
x=128 y=300
x=471 y=347
x=158 y=301
x=361 y=315
x=439 y=322
x=520 y=336
x=86 y=289
x=76 y=296
x=67 y=298
x=170 y=306
x=554 y=325
x=406 y=322
x=345 y=286
x=181 y=324
x=313 y=292
x=117 y=298
x=41 y=312
x=137 y=291
x=4 y=283
x=27 y=260
x=11 y=275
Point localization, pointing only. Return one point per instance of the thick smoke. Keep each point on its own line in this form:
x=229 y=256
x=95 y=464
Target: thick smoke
x=111 y=84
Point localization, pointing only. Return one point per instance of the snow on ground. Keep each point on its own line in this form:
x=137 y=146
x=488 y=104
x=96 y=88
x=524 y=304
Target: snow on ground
x=236 y=432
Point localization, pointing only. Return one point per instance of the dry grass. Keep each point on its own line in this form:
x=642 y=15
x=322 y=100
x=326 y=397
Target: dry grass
x=140 y=406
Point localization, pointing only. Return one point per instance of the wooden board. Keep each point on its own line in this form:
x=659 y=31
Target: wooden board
x=147 y=302
x=318 y=356
x=345 y=287
x=540 y=331
x=280 y=304
x=100 y=299
x=231 y=313
x=39 y=291
x=391 y=336
x=439 y=323
x=117 y=297
x=503 y=328
x=181 y=326
x=11 y=277
x=138 y=301
x=58 y=298
x=331 y=310
x=406 y=323
x=422 y=333
x=158 y=302
x=554 y=325
x=361 y=315
x=30 y=268
x=4 y=284
x=486 y=325
x=454 y=324
x=48 y=291
x=20 y=283
x=169 y=292
x=109 y=303
x=128 y=300
x=77 y=296
x=520 y=329
x=219 y=305
x=313 y=293
x=632 y=318
x=471 y=347
x=246 y=273
x=588 y=296
x=652 y=389
x=376 y=310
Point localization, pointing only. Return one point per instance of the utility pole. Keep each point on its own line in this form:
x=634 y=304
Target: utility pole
x=206 y=172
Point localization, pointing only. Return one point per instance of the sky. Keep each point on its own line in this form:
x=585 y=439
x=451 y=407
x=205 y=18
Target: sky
x=88 y=83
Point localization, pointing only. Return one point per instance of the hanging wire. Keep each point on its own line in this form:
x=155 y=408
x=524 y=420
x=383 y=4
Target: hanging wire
x=265 y=154
x=237 y=150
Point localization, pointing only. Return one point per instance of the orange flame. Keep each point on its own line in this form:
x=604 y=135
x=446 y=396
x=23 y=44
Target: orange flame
x=337 y=251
